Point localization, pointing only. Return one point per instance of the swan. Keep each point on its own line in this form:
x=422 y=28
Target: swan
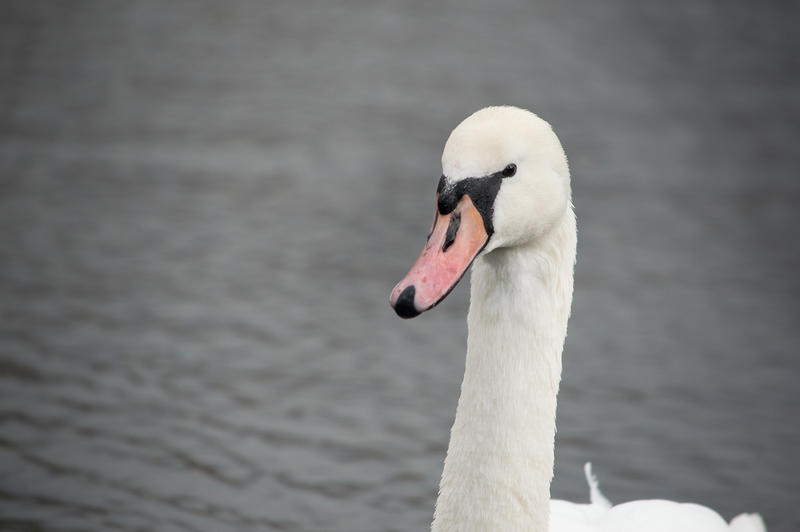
x=504 y=207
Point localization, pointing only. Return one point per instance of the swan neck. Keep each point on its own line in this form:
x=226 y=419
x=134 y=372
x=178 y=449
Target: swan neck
x=499 y=461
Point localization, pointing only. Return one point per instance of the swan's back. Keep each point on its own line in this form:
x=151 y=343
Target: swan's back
x=654 y=515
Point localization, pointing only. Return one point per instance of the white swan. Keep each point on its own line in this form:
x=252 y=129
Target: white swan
x=504 y=204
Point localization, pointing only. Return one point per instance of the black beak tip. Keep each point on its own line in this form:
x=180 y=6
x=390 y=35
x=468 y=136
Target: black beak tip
x=404 y=306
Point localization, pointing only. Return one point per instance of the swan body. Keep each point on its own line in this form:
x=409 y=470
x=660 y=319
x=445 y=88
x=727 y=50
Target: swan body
x=653 y=515
x=504 y=206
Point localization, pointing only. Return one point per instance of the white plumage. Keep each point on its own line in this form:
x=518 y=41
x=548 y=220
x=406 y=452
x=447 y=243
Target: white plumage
x=653 y=515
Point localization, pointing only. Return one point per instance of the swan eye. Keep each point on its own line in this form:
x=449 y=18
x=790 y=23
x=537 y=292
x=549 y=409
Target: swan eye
x=510 y=170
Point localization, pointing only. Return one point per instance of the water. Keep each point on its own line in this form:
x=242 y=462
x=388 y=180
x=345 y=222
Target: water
x=204 y=208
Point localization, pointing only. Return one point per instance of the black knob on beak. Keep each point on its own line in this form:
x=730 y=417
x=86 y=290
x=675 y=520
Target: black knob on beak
x=448 y=199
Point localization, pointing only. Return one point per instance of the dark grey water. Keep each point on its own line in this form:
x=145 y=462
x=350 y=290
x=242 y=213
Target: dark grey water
x=204 y=206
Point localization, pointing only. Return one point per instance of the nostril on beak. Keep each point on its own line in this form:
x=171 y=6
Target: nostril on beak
x=452 y=229
x=404 y=306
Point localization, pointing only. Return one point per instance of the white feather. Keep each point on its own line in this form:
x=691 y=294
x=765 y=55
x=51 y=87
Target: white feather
x=653 y=515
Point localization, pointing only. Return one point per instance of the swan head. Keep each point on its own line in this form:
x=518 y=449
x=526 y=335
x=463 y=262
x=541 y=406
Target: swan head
x=505 y=183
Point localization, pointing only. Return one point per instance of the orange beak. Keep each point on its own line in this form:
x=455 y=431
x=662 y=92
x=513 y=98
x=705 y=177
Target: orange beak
x=454 y=242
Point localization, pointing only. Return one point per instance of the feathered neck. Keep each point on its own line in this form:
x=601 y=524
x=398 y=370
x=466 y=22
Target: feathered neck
x=500 y=458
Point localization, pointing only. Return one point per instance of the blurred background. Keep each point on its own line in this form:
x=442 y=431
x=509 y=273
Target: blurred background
x=203 y=207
